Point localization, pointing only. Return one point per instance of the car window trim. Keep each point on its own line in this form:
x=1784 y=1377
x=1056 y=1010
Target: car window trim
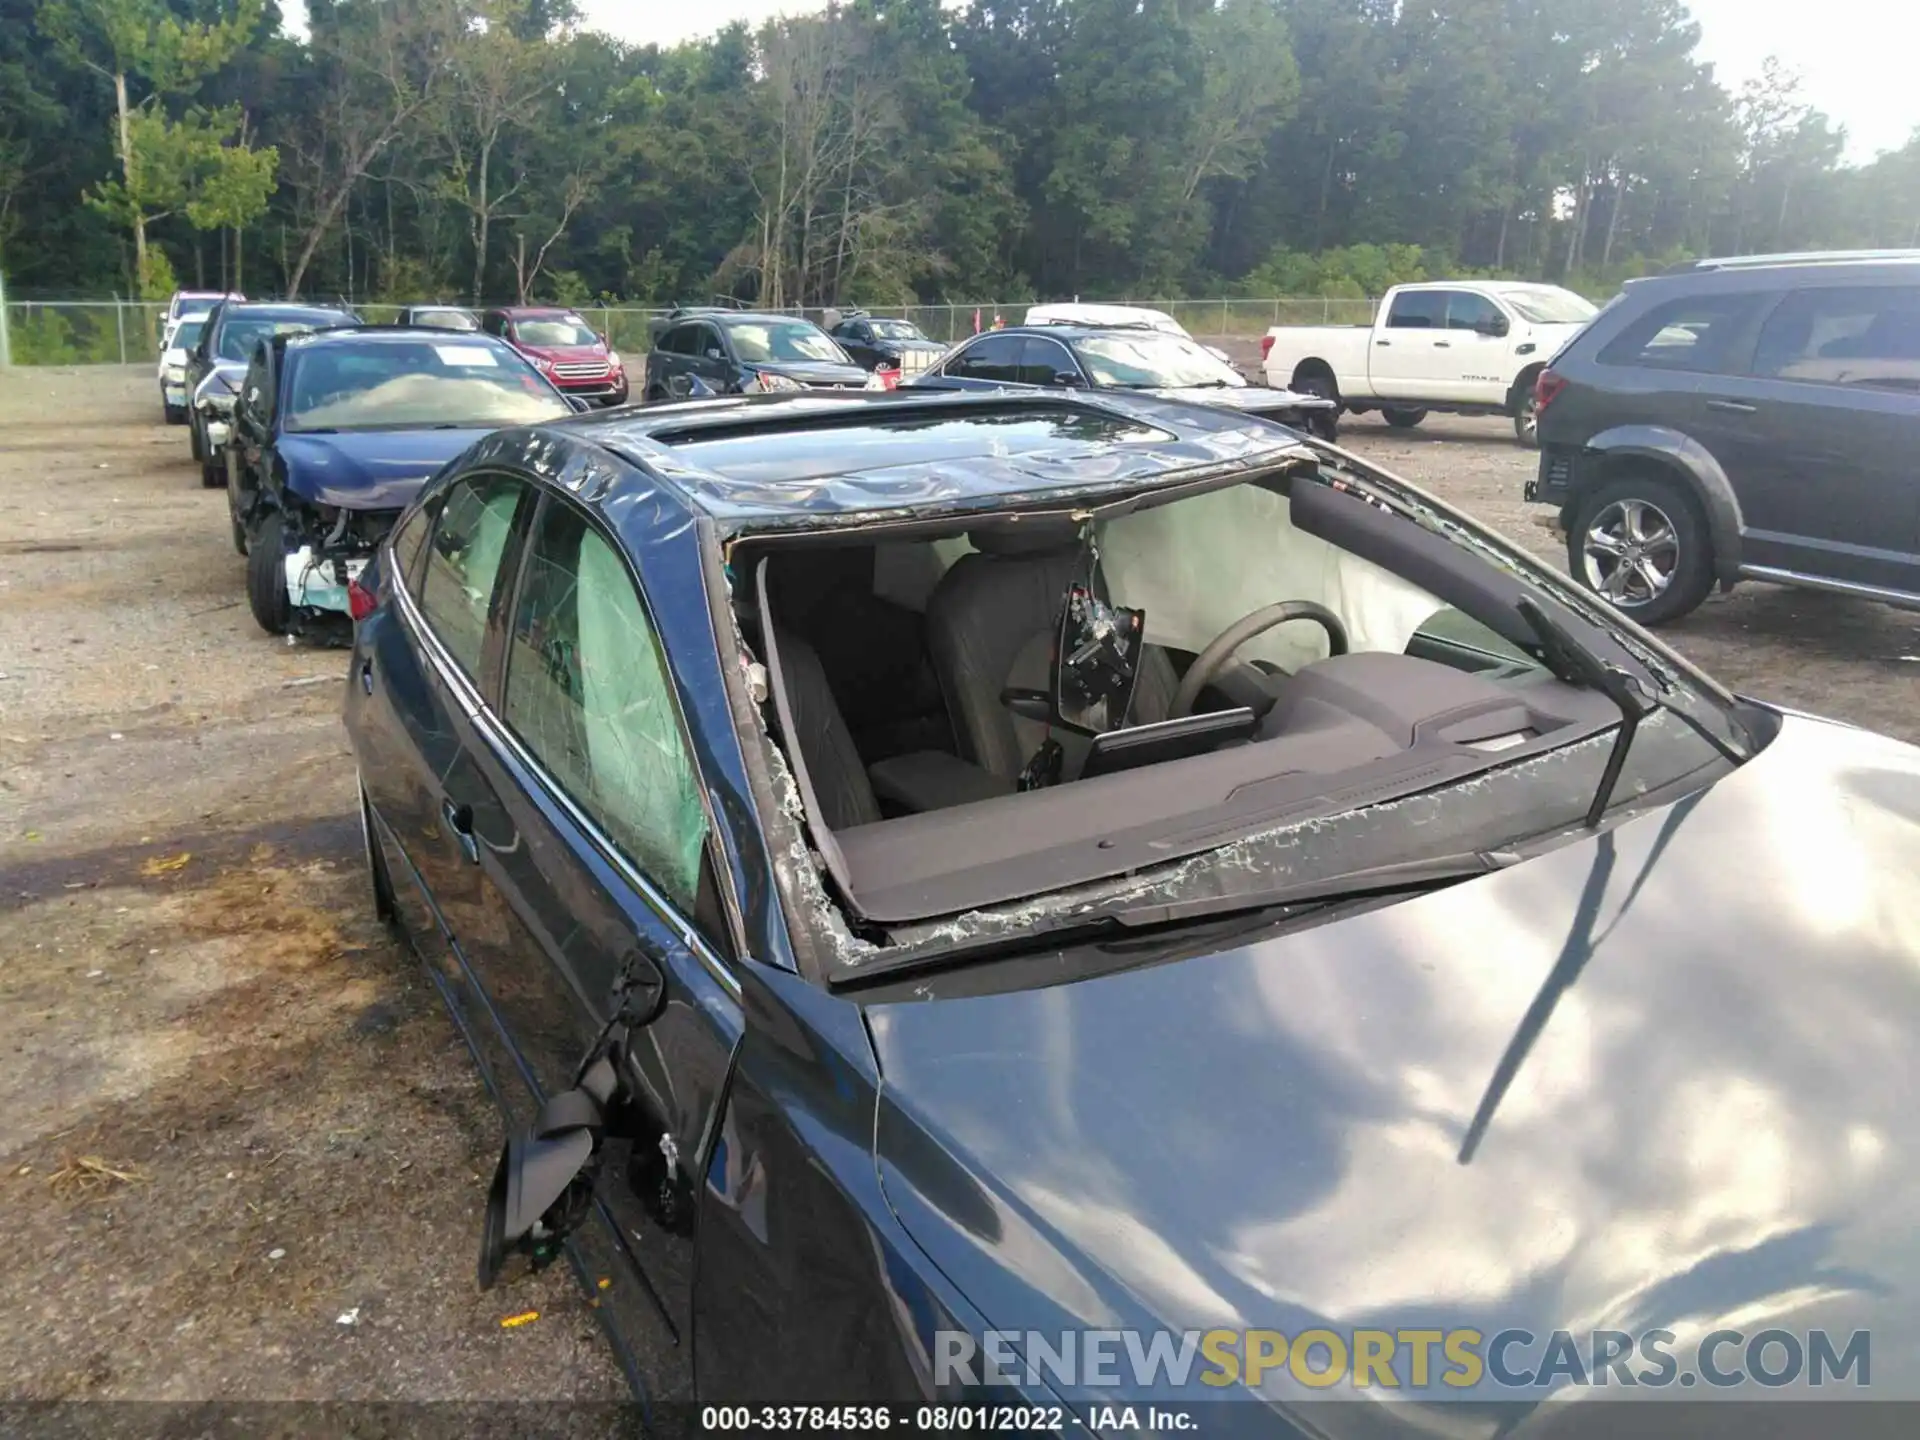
x=496 y=710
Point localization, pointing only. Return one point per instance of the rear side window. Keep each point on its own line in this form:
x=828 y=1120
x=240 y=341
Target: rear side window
x=408 y=541
x=1418 y=310
x=1698 y=333
x=588 y=693
x=1860 y=335
x=463 y=563
x=995 y=358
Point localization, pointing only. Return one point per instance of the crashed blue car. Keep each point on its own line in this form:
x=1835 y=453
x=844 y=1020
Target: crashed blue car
x=959 y=894
x=334 y=433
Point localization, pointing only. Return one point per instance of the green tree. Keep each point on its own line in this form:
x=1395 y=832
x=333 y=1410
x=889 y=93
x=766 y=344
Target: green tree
x=146 y=43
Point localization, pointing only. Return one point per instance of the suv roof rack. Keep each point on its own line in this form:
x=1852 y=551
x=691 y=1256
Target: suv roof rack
x=1797 y=257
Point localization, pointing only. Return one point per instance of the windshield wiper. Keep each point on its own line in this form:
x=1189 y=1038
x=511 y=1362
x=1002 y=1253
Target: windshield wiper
x=1049 y=932
x=1577 y=664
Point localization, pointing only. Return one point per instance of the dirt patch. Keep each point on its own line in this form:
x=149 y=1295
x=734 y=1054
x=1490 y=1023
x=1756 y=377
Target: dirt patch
x=242 y=1149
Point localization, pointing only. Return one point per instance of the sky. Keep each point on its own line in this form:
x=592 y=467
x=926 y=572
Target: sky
x=1855 y=56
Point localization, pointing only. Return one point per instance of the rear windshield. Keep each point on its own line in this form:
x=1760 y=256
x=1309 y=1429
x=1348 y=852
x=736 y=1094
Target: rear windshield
x=416 y=386
x=896 y=330
x=187 y=333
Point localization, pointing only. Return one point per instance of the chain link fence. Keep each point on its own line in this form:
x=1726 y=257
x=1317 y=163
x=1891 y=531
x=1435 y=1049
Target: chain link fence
x=125 y=332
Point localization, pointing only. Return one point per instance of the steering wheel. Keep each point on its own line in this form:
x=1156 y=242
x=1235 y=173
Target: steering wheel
x=1200 y=674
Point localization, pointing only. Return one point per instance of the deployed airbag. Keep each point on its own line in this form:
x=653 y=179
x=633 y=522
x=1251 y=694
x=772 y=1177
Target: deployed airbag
x=1197 y=566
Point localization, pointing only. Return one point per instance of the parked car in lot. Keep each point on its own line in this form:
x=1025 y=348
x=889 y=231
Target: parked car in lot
x=1464 y=348
x=565 y=349
x=876 y=342
x=179 y=340
x=862 y=967
x=333 y=435
x=1097 y=357
x=1743 y=420
x=736 y=352
x=219 y=358
x=1075 y=312
x=439 y=317
x=183 y=304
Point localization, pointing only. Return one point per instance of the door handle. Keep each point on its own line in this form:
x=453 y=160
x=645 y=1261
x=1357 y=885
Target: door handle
x=1443 y=344
x=459 y=819
x=1732 y=407
x=1383 y=342
x=366 y=676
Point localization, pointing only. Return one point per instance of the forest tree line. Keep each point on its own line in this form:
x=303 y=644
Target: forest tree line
x=894 y=151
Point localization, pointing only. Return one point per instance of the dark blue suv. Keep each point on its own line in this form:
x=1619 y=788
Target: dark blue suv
x=921 y=865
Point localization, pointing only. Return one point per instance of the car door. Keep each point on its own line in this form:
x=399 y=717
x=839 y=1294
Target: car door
x=1818 y=431
x=253 y=412
x=594 y=842
x=417 y=688
x=1045 y=361
x=1412 y=348
x=856 y=338
x=675 y=356
x=987 y=363
x=1476 y=348
x=710 y=359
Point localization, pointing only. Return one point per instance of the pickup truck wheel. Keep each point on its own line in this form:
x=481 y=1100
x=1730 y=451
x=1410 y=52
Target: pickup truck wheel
x=1323 y=423
x=194 y=441
x=213 y=473
x=1641 y=544
x=1526 y=423
x=267 y=575
x=1403 y=419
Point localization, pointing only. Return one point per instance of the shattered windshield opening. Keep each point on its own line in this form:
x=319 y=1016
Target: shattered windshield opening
x=952 y=806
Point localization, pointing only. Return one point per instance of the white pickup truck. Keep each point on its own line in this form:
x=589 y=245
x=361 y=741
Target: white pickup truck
x=1464 y=347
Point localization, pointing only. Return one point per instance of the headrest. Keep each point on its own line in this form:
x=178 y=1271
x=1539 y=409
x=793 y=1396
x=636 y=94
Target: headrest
x=1027 y=535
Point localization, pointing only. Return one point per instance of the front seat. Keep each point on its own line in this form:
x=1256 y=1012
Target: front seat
x=825 y=744
x=991 y=624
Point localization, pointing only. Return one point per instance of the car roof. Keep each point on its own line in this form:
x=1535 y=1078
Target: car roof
x=1074 y=329
x=272 y=308
x=774 y=461
x=1795 y=258
x=517 y=312
x=389 y=335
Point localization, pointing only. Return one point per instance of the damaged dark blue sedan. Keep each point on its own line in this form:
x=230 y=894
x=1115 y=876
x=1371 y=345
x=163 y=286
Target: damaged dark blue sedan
x=962 y=895
x=335 y=431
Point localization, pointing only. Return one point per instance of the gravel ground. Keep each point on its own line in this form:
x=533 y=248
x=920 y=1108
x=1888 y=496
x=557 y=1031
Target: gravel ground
x=241 y=1148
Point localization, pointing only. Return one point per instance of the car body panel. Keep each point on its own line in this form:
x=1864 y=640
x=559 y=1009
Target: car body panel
x=594 y=372
x=1818 y=473
x=1444 y=367
x=718 y=363
x=870 y=349
x=1289 y=407
x=1703 y=1127
x=367 y=469
x=1244 y=1131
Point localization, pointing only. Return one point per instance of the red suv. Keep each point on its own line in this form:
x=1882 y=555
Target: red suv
x=564 y=348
